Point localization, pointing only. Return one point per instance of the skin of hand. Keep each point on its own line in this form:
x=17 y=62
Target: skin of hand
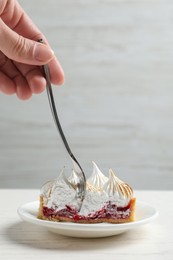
x=21 y=55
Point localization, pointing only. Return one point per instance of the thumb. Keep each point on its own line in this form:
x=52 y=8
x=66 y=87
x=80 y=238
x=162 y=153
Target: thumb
x=21 y=49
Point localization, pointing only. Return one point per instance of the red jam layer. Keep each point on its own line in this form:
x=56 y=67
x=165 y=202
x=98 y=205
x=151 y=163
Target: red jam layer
x=108 y=211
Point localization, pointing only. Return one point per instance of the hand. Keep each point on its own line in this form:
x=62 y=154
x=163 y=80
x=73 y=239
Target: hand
x=20 y=54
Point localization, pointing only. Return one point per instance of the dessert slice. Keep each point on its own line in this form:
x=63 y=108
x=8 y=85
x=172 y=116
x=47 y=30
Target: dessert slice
x=107 y=199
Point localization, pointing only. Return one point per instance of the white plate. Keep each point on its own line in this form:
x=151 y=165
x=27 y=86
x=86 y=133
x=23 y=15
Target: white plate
x=144 y=214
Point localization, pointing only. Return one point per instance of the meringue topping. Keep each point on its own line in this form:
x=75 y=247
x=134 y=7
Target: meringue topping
x=73 y=179
x=117 y=189
x=99 y=190
x=97 y=179
x=46 y=190
x=62 y=193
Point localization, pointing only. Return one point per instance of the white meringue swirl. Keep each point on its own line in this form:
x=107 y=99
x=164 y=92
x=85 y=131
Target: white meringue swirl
x=73 y=179
x=118 y=190
x=60 y=194
x=97 y=179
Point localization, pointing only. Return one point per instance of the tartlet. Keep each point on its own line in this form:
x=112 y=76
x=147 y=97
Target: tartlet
x=107 y=199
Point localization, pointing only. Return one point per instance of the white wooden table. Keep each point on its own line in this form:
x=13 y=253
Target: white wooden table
x=21 y=240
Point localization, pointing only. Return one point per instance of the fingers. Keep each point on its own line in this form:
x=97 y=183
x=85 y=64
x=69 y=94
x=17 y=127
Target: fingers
x=36 y=81
x=15 y=18
x=26 y=51
x=23 y=50
x=24 y=79
x=56 y=72
x=12 y=81
x=23 y=25
x=34 y=77
x=4 y=82
x=18 y=42
x=23 y=90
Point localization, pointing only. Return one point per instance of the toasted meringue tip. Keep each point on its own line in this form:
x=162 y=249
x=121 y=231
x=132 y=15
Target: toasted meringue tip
x=62 y=172
x=73 y=172
x=94 y=164
x=111 y=173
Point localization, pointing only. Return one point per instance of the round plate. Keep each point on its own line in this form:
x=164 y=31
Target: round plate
x=144 y=214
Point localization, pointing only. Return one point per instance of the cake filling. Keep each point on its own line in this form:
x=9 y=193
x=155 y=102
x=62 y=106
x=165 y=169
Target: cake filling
x=108 y=211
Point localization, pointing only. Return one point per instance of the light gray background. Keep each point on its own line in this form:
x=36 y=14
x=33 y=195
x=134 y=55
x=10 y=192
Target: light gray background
x=116 y=105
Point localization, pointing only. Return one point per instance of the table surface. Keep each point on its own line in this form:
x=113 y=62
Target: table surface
x=27 y=241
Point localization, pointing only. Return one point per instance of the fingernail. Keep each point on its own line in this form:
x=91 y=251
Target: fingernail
x=43 y=53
